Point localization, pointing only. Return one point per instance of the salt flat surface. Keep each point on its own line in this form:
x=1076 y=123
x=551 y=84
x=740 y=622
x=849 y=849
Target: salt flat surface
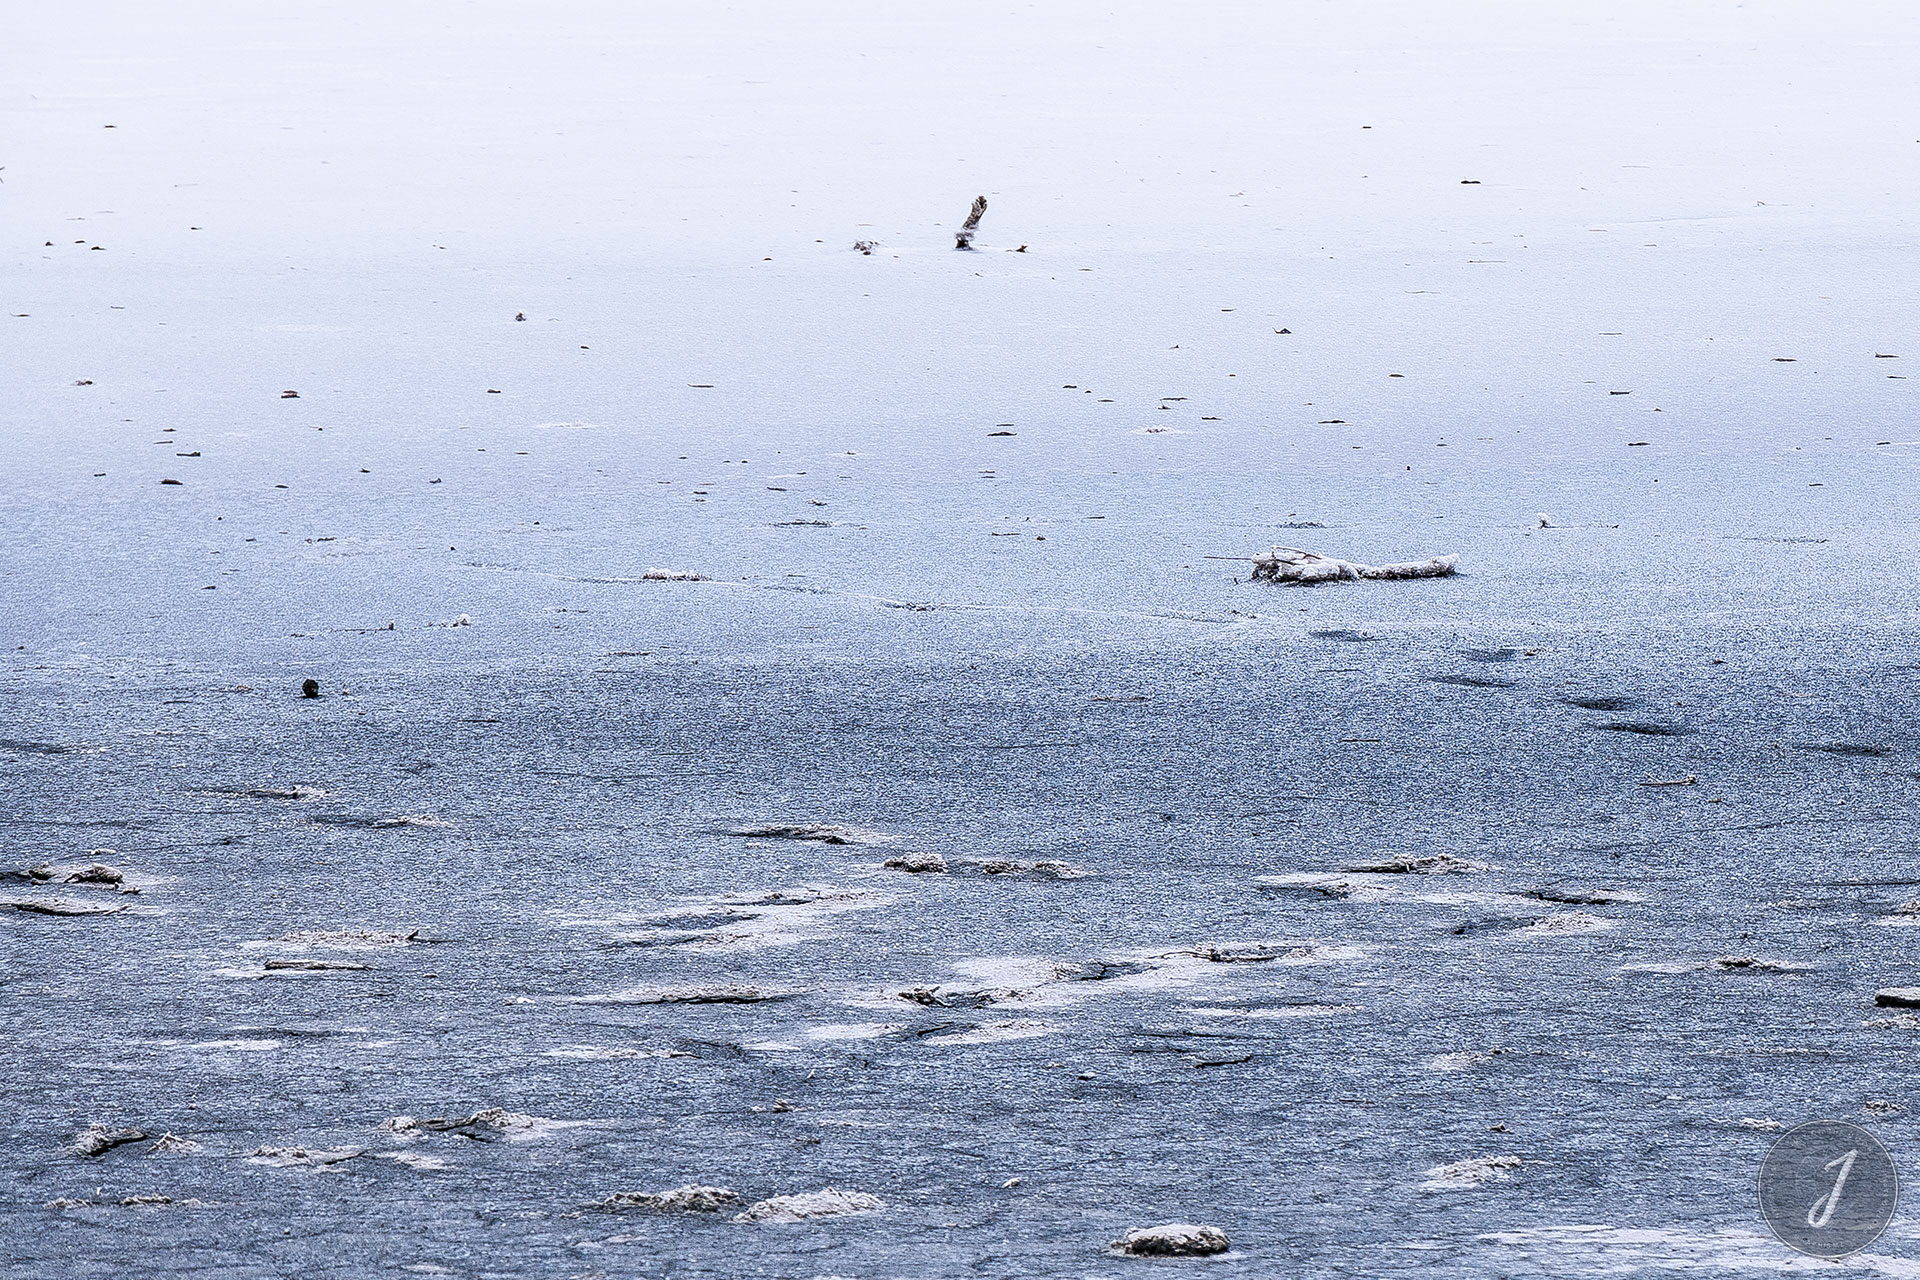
x=1645 y=270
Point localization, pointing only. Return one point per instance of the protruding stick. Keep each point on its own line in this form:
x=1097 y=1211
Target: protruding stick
x=963 y=239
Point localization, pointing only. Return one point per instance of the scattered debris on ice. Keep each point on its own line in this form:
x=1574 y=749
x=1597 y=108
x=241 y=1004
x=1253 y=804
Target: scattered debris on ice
x=1173 y=1240
x=829 y=1202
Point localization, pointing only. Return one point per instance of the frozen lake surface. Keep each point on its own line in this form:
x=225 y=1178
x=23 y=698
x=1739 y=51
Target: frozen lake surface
x=1490 y=925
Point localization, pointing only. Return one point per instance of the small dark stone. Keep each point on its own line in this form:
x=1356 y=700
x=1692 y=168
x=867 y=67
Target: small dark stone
x=309 y=688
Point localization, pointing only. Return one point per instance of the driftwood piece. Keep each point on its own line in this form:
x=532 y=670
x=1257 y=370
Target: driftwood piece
x=963 y=239
x=1291 y=564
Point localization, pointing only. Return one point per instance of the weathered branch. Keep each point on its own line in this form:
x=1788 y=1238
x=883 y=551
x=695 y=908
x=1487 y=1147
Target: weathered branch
x=1291 y=564
x=963 y=239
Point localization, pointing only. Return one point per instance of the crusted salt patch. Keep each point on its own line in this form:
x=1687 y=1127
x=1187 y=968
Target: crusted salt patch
x=829 y=1202
x=1464 y=1060
x=1286 y=952
x=1564 y=924
x=336 y=940
x=1579 y=897
x=997 y=1032
x=1043 y=868
x=1426 y=864
x=1720 y=964
x=174 y=1144
x=854 y=1030
x=89 y=874
x=98 y=1139
x=717 y=993
x=283 y=968
x=1172 y=1240
x=515 y=1126
x=1006 y=971
x=1464 y=1175
x=1274 y=1011
x=1373 y=888
x=693 y=1197
x=917 y=863
x=62 y=906
x=1906 y=914
x=303 y=1157
x=414 y=1160
x=741 y=921
x=614 y=1053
